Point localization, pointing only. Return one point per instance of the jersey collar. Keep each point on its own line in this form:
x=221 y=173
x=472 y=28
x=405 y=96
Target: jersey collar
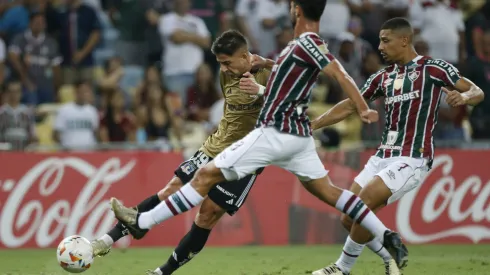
x=413 y=62
x=308 y=33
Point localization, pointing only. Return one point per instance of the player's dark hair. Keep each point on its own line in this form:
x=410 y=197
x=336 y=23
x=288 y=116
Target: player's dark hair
x=396 y=23
x=34 y=15
x=312 y=9
x=229 y=43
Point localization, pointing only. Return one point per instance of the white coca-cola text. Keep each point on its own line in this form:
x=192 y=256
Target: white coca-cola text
x=64 y=216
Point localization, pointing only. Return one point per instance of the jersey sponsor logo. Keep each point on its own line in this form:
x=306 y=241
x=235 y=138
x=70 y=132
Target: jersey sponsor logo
x=403 y=97
x=244 y=107
x=444 y=65
x=313 y=49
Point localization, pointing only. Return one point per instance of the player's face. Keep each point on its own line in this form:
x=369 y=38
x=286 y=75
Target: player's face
x=391 y=45
x=234 y=65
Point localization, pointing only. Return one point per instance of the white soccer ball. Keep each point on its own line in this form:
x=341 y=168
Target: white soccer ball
x=75 y=254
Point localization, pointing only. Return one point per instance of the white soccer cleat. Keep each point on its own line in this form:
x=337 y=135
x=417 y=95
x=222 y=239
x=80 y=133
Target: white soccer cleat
x=329 y=270
x=100 y=248
x=391 y=268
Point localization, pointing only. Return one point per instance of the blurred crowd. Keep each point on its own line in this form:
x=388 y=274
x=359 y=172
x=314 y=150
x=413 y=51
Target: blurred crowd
x=83 y=73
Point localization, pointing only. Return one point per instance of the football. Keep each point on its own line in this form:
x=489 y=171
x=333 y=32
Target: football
x=75 y=254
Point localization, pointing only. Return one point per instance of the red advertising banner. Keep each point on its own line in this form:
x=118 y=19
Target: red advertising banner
x=44 y=197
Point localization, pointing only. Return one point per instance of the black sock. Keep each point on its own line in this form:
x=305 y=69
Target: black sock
x=119 y=230
x=192 y=243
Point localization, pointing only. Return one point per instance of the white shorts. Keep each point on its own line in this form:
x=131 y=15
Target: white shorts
x=267 y=146
x=400 y=174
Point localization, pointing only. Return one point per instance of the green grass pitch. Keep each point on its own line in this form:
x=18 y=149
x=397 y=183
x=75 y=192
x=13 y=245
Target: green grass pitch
x=256 y=260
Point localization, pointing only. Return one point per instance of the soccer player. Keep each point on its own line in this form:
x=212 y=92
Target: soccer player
x=282 y=136
x=412 y=86
x=239 y=118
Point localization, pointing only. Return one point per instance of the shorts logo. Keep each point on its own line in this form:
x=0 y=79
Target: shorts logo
x=391 y=174
x=403 y=166
x=188 y=168
x=230 y=202
x=235 y=145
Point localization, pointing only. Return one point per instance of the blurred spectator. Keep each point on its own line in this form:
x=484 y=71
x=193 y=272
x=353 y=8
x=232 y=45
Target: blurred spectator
x=334 y=20
x=14 y=20
x=79 y=35
x=184 y=37
x=283 y=35
x=350 y=59
x=17 y=126
x=76 y=123
x=113 y=72
x=246 y=12
x=202 y=96
x=441 y=26
x=361 y=46
x=154 y=9
x=450 y=122
x=133 y=44
x=36 y=60
x=216 y=19
x=272 y=14
x=47 y=8
x=152 y=78
x=117 y=125
x=475 y=26
x=215 y=114
x=3 y=57
x=160 y=114
x=479 y=73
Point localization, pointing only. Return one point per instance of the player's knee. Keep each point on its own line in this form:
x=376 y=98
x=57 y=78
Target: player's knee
x=172 y=187
x=207 y=175
x=346 y=222
x=209 y=215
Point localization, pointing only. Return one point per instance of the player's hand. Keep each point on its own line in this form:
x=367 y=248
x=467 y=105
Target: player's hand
x=369 y=116
x=455 y=98
x=258 y=62
x=248 y=84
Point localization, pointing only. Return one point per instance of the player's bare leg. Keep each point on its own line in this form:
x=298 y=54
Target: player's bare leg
x=194 y=241
x=354 y=207
x=353 y=249
x=187 y=197
x=102 y=245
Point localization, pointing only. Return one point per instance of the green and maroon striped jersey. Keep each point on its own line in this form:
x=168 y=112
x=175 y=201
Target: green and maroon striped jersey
x=289 y=87
x=412 y=94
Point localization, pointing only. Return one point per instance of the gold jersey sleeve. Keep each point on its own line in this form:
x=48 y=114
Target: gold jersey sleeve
x=240 y=113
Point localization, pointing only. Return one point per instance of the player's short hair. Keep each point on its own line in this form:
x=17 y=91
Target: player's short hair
x=312 y=9
x=397 y=23
x=229 y=43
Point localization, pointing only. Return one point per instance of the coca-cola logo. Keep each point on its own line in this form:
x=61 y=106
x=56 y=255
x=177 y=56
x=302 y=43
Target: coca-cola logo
x=447 y=208
x=23 y=219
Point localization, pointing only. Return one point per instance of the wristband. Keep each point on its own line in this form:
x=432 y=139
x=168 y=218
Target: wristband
x=261 y=90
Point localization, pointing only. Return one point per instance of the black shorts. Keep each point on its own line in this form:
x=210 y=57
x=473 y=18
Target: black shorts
x=228 y=195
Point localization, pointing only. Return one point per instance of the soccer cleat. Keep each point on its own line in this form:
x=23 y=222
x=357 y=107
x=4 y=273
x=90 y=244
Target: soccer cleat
x=151 y=272
x=128 y=217
x=393 y=243
x=100 y=248
x=391 y=268
x=329 y=270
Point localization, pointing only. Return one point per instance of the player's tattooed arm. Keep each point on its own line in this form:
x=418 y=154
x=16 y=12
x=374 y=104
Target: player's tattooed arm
x=465 y=93
x=335 y=70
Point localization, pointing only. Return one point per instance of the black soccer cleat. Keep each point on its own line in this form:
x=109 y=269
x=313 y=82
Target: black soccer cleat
x=393 y=243
x=129 y=218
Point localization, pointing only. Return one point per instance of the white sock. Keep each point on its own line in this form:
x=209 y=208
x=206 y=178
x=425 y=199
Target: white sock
x=355 y=208
x=158 y=271
x=184 y=199
x=377 y=247
x=349 y=255
x=107 y=239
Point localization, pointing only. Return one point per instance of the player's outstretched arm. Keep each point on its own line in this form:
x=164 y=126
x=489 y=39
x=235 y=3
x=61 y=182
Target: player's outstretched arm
x=335 y=70
x=336 y=114
x=466 y=93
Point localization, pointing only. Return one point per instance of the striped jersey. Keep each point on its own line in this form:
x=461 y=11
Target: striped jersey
x=289 y=87
x=412 y=95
